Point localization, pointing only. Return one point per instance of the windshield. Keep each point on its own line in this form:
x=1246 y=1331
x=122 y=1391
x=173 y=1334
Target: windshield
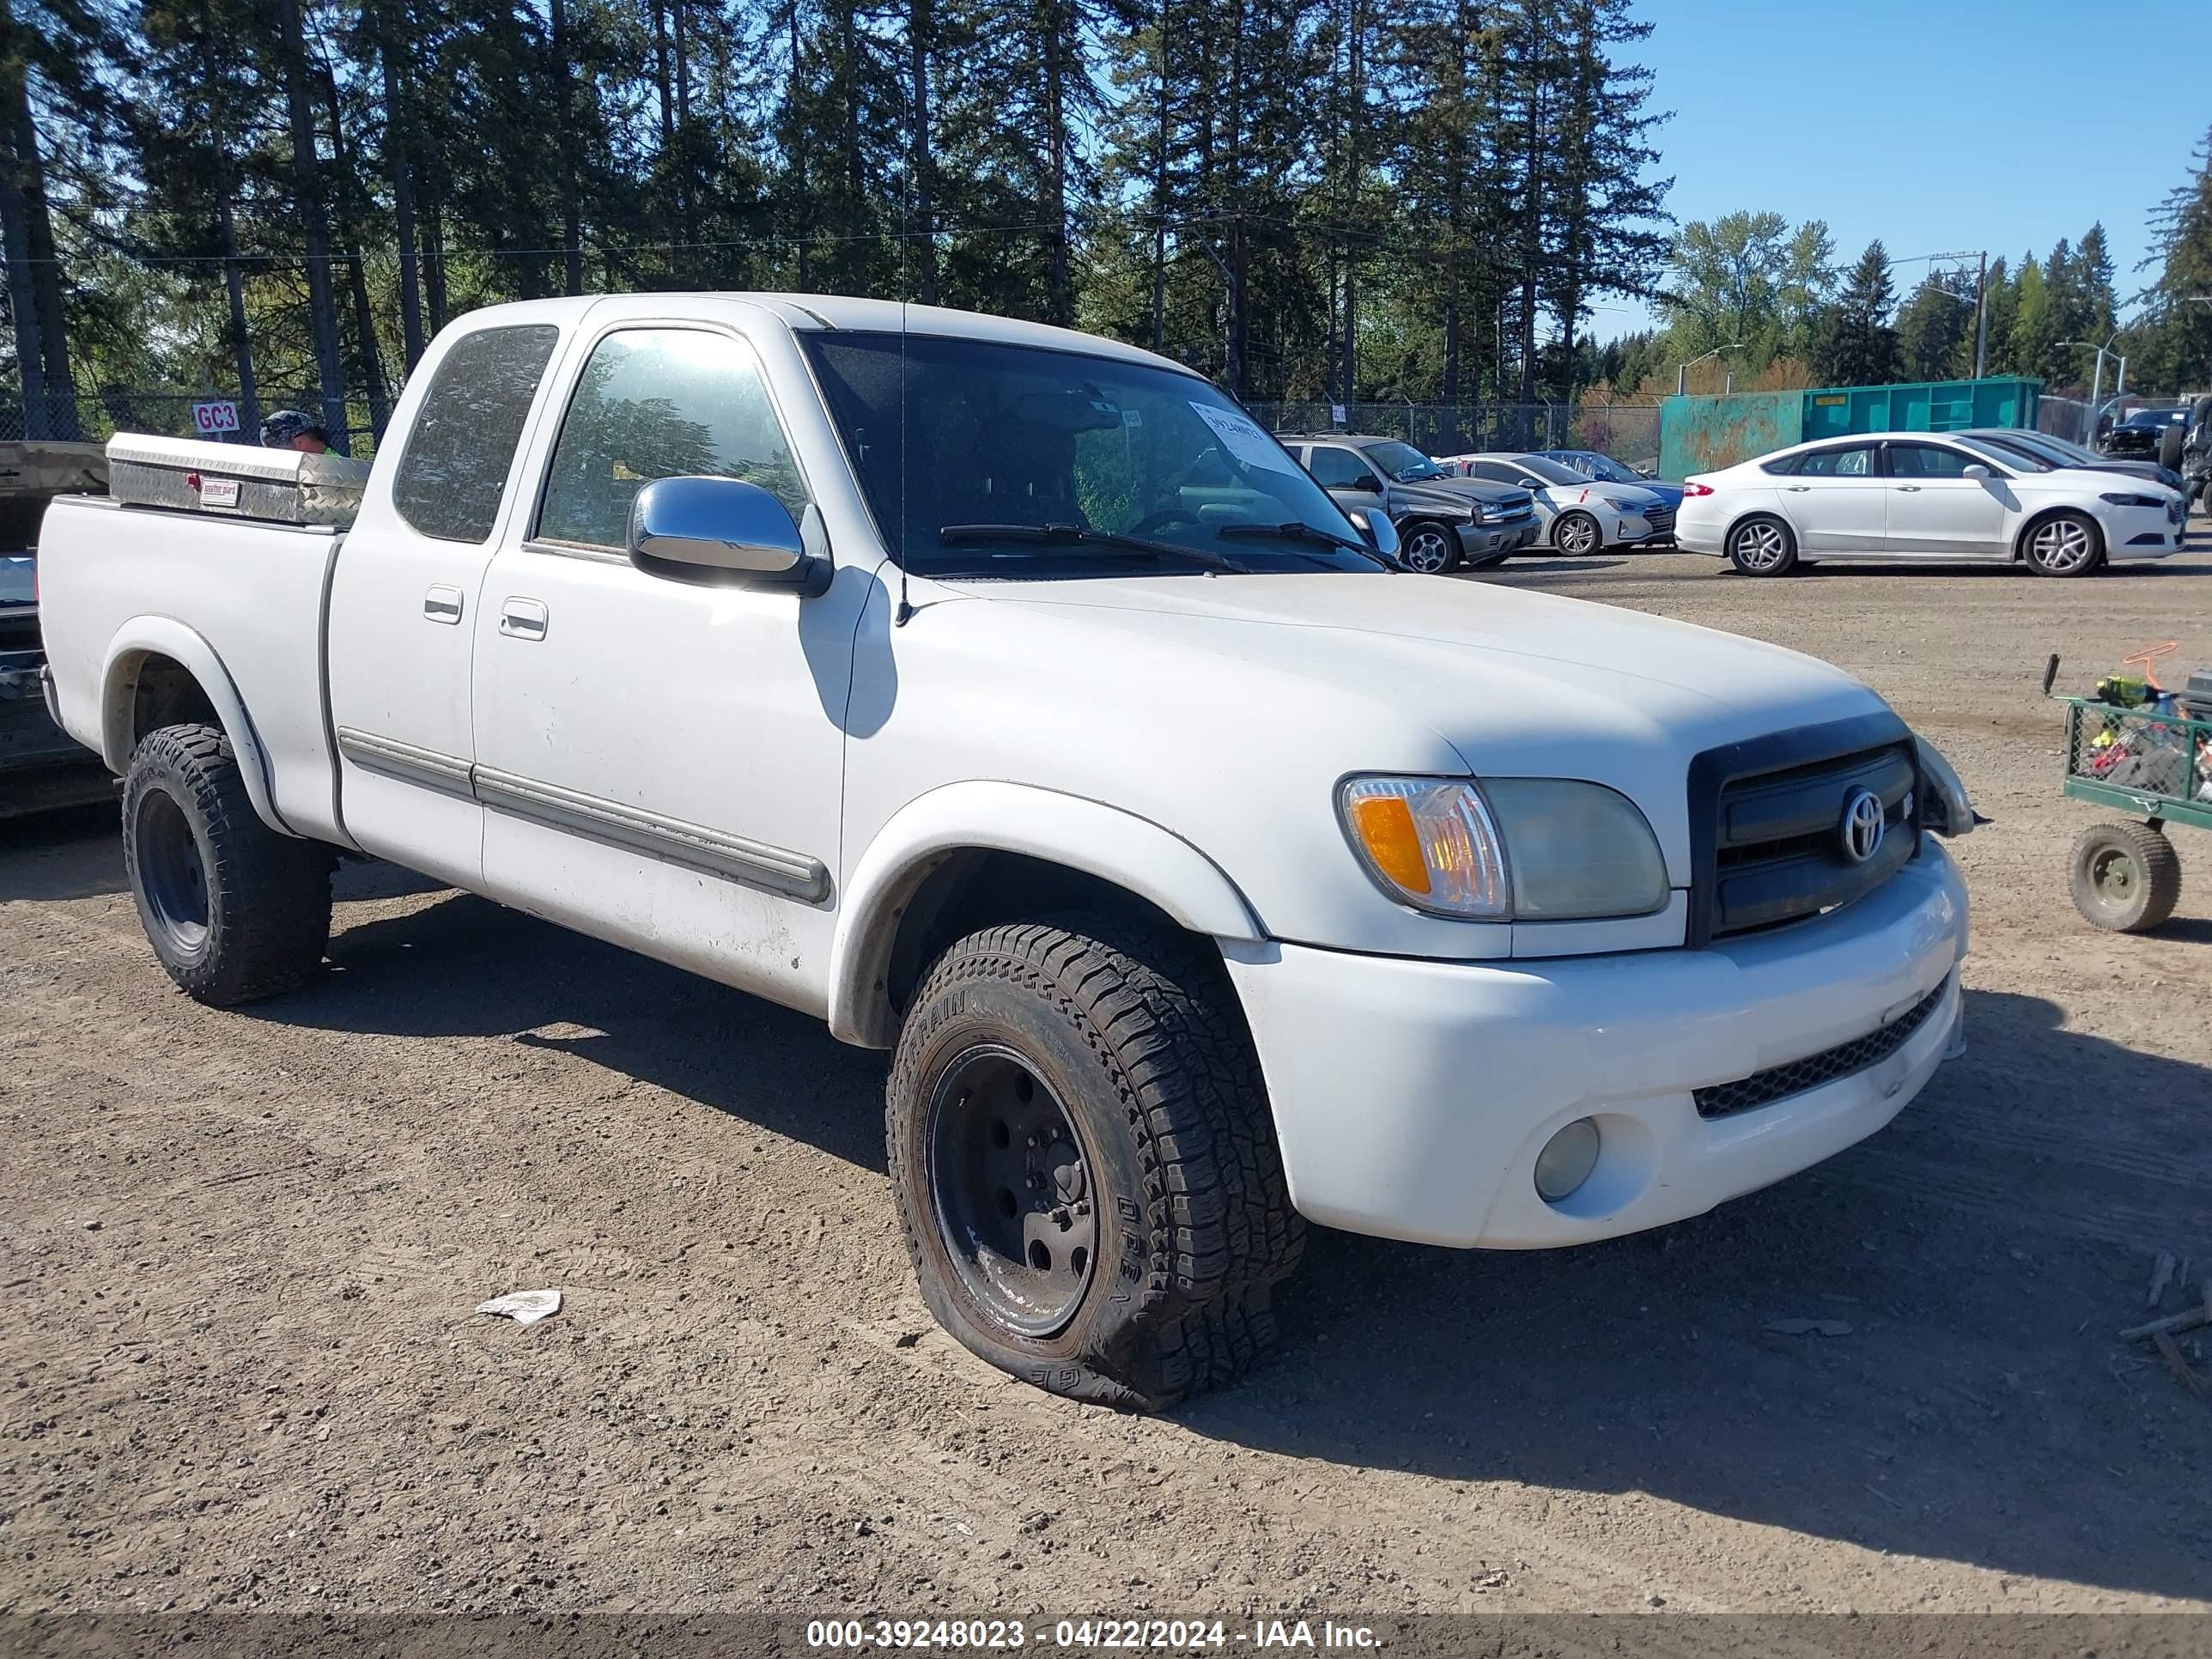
x=1549 y=470
x=1075 y=450
x=1404 y=463
x=1612 y=472
x=2156 y=417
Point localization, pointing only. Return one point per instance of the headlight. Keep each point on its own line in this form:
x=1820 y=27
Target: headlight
x=1944 y=807
x=2121 y=498
x=1537 y=849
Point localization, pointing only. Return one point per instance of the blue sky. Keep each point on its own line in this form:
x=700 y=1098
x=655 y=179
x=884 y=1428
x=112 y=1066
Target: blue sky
x=1935 y=125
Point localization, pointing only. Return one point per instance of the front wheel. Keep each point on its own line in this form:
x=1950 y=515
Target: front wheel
x=1762 y=547
x=1577 y=535
x=234 y=910
x=1084 y=1164
x=1429 y=548
x=2125 y=877
x=2066 y=544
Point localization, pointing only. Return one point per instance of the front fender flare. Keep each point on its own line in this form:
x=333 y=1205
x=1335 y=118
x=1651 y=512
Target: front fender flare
x=149 y=636
x=1132 y=853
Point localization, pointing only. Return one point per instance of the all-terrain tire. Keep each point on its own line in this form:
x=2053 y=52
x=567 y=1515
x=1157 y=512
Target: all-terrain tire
x=1139 y=1037
x=2173 y=438
x=2125 y=877
x=235 y=911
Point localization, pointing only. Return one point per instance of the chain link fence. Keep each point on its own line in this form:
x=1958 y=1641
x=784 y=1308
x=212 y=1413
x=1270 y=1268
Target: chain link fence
x=95 y=417
x=1629 y=433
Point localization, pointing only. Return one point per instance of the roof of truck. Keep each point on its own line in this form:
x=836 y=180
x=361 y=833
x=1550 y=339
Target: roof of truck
x=813 y=313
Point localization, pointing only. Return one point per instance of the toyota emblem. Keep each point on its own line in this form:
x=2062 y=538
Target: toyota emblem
x=1864 y=823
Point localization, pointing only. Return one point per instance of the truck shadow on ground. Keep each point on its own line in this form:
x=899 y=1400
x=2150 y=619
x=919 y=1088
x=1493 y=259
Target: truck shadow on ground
x=72 y=854
x=463 y=966
x=1983 y=1251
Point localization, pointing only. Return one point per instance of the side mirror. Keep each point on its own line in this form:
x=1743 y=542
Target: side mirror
x=1531 y=483
x=1367 y=481
x=1976 y=470
x=697 y=529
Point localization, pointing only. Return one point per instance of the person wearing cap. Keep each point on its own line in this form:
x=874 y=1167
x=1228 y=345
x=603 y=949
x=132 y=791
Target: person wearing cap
x=288 y=428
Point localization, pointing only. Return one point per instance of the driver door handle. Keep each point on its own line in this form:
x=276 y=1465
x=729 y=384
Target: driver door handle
x=1910 y=489
x=1798 y=489
x=522 y=619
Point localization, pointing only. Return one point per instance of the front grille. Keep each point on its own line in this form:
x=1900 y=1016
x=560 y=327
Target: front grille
x=1844 y=1060
x=1662 y=520
x=1766 y=823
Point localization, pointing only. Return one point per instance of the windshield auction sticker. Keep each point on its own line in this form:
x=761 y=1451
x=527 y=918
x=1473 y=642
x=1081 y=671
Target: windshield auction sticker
x=1243 y=439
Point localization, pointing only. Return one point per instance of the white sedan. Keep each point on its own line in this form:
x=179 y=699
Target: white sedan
x=1578 y=515
x=1900 y=496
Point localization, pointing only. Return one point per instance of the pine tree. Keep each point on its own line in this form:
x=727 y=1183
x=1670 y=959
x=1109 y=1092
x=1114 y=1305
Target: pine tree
x=1936 y=328
x=1855 y=343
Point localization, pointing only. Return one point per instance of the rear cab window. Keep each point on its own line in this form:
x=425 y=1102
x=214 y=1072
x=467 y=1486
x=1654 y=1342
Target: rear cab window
x=460 y=451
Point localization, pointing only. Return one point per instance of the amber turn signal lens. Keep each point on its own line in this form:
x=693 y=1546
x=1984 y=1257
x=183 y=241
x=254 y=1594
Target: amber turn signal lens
x=1385 y=826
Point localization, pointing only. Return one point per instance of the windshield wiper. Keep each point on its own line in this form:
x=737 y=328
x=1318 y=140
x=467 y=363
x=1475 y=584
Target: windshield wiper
x=1088 y=538
x=1298 y=531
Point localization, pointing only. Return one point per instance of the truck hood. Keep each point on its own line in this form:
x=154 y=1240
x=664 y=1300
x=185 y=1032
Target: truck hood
x=1332 y=674
x=1456 y=492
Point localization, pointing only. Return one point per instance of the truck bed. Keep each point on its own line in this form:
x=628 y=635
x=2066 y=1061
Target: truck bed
x=121 y=585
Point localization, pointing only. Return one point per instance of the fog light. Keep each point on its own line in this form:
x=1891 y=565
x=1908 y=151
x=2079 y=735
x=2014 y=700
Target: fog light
x=1567 y=1161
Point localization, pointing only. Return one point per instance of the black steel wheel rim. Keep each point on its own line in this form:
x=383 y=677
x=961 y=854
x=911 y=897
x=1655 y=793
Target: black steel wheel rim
x=171 y=873
x=1012 y=1190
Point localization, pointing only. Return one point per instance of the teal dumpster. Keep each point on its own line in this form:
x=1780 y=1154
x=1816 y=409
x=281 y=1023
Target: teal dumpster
x=1703 y=434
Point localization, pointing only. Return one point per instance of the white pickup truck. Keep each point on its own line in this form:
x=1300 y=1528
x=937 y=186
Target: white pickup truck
x=1006 y=698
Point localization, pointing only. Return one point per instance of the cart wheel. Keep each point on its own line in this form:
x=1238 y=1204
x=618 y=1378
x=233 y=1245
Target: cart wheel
x=2125 y=877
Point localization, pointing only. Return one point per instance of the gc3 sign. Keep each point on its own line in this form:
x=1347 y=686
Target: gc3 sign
x=214 y=420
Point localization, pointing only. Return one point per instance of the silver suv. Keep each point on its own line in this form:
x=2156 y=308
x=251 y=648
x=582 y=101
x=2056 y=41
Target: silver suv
x=1442 y=521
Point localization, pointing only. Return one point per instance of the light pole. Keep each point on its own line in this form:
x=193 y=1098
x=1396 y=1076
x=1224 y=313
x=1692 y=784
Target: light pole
x=1682 y=370
x=2097 y=378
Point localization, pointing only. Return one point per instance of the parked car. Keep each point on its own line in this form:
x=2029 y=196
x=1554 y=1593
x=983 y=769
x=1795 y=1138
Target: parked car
x=1577 y=514
x=1925 y=495
x=41 y=767
x=2142 y=434
x=1602 y=468
x=1006 y=698
x=1442 y=521
x=2061 y=452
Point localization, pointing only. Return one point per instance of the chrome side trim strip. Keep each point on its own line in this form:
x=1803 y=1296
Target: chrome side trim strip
x=433 y=769
x=695 y=846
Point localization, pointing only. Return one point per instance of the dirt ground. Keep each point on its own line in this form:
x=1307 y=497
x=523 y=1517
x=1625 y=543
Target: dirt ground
x=241 y=1251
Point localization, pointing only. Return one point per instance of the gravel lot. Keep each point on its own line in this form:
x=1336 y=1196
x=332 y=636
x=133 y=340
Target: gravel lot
x=241 y=1251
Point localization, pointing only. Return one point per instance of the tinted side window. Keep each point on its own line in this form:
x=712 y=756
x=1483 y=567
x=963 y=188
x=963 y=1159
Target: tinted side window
x=1496 y=472
x=1337 y=469
x=461 y=448
x=1782 y=466
x=1925 y=461
x=661 y=403
x=1856 y=462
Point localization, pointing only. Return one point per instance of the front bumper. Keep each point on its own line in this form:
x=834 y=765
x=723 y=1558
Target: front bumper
x=1411 y=1097
x=1482 y=540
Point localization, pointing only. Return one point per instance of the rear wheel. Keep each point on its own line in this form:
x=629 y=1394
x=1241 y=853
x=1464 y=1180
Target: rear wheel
x=1428 y=547
x=1084 y=1163
x=2125 y=877
x=2173 y=438
x=1762 y=547
x=234 y=910
x=2064 y=545
x=1577 y=535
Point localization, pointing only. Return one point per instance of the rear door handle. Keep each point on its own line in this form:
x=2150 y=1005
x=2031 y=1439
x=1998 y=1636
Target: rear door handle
x=1798 y=490
x=1909 y=489
x=522 y=619
x=442 y=604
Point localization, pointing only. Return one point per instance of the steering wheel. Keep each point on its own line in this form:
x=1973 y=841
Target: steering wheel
x=1163 y=518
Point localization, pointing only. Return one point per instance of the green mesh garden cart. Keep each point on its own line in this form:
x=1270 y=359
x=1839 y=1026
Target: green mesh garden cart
x=2154 y=767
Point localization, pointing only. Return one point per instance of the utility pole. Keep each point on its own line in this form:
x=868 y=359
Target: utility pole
x=1981 y=313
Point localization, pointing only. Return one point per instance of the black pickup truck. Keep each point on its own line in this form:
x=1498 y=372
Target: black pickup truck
x=40 y=767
